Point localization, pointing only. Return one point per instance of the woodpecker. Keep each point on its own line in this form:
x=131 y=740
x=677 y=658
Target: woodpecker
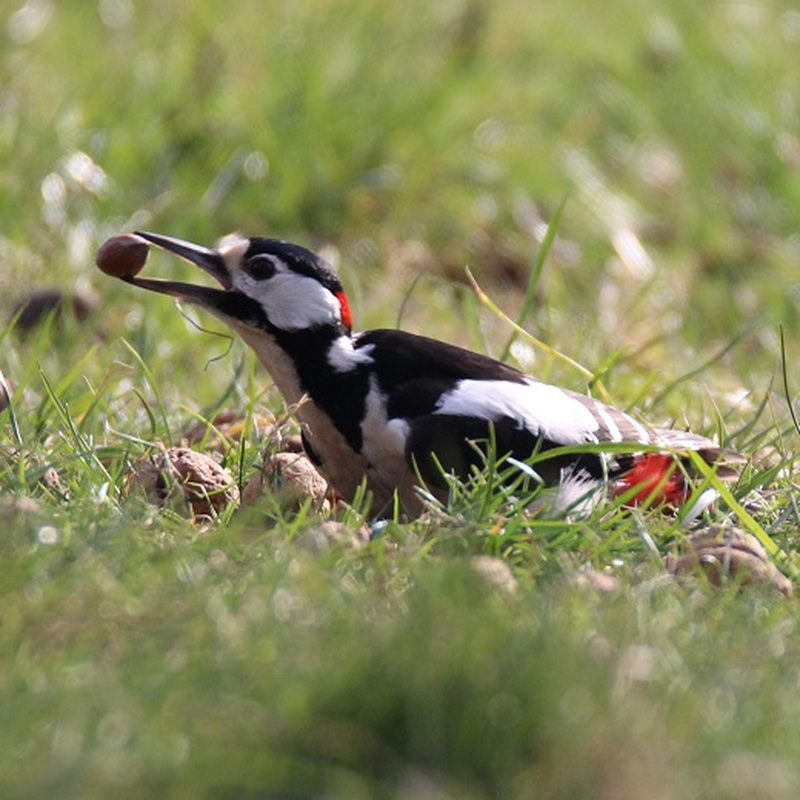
x=396 y=410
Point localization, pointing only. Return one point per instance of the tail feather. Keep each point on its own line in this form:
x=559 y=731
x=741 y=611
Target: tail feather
x=727 y=463
x=666 y=478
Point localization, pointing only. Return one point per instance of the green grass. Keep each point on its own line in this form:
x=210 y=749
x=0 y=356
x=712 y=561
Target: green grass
x=143 y=655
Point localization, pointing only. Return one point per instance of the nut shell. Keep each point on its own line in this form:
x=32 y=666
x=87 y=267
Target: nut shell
x=291 y=478
x=193 y=478
x=723 y=552
x=123 y=256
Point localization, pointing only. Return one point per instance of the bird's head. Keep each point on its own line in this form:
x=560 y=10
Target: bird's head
x=267 y=284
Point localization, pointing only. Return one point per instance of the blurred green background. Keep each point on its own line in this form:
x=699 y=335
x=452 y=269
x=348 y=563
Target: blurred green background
x=143 y=656
x=426 y=137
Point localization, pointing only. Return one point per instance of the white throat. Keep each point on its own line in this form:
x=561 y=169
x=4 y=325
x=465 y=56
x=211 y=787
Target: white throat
x=275 y=360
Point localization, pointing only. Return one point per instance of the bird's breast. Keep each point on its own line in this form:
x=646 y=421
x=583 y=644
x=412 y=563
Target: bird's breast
x=342 y=466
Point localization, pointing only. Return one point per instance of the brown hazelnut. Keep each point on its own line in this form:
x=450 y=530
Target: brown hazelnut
x=123 y=256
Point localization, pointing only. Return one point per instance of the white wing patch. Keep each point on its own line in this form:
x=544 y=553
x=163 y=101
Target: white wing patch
x=384 y=450
x=384 y=439
x=543 y=409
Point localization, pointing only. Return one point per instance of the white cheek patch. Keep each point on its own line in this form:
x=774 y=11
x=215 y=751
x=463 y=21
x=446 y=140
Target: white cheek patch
x=543 y=409
x=292 y=302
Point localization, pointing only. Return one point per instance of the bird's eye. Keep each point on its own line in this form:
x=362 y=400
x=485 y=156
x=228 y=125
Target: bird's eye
x=261 y=267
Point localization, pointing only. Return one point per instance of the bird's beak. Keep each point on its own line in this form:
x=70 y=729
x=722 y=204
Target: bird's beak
x=209 y=260
x=227 y=303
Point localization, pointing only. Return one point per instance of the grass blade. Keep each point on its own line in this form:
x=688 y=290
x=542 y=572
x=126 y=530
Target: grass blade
x=785 y=373
x=536 y=273
x=538 y=343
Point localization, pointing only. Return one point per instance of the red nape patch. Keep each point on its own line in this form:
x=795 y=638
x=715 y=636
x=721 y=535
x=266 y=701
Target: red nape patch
x=655 y=474
x=347 y=317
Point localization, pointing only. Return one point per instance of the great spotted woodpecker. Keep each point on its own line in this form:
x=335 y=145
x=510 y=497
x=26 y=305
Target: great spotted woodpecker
x=396 y=409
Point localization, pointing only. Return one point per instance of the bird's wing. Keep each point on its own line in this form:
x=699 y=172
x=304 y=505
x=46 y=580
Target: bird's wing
x=420 y=376
x=519 y=419
x=440 y=399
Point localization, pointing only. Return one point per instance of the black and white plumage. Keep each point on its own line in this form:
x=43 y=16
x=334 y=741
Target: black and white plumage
x=389 y=406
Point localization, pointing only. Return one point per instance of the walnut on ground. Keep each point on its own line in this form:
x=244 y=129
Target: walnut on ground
x=291 y=477
x=725 y=552
x=181 y=473
x=496 y=574
x=331 y=533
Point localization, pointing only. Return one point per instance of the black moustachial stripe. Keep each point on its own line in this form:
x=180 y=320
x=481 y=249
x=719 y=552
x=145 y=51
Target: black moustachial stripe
x=342 y=395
